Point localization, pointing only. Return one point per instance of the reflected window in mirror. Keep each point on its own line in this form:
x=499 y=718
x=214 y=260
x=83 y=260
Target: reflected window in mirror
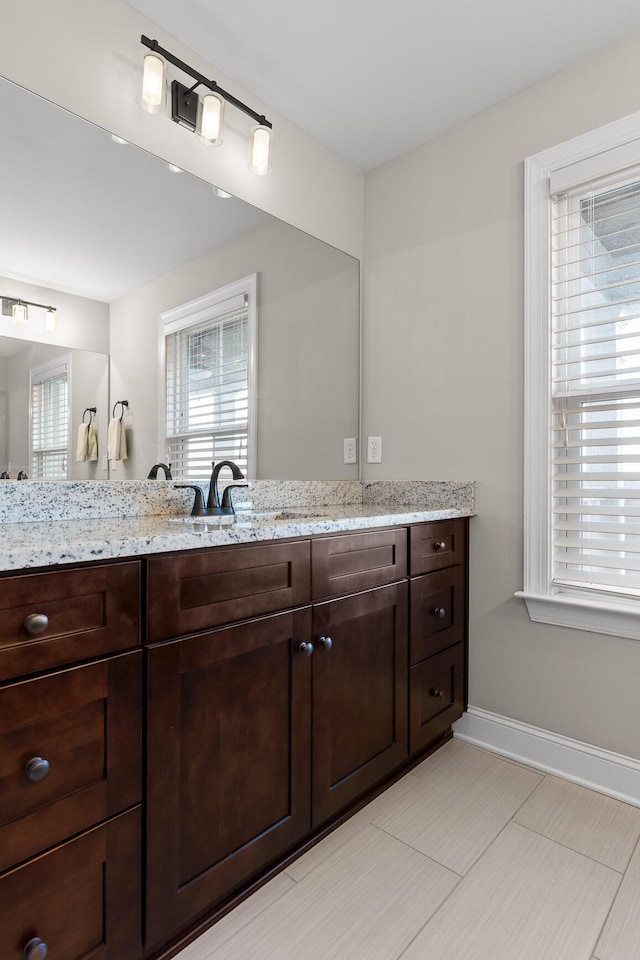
x=210 y=389
x=50 y=421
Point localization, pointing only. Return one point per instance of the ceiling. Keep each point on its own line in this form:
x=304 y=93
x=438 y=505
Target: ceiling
x=91 y=217
x=371 y=79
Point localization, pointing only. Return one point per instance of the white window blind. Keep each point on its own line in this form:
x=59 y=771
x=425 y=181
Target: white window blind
x=596 y=386
x=50 y=423
x=207 y=392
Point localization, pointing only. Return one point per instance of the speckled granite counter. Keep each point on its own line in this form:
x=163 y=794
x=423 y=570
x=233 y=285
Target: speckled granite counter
x=42 y=544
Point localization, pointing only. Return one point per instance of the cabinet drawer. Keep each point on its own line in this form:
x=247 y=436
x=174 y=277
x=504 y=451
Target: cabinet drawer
x=193 y=592
x=354 y=562
x=437 y=612
x=83 y=613
x=85 y=723
x=434 y=546
x=436 y=696
x=82 y=899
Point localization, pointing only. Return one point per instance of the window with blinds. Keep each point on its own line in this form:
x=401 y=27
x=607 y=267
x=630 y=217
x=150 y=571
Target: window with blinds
x=596 y=386
x=50 y=422
x=207 y=366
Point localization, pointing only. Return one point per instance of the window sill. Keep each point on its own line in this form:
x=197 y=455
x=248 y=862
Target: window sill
x=618 y=619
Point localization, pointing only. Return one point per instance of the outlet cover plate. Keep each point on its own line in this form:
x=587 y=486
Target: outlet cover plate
x=374 y=450
x=350 y=455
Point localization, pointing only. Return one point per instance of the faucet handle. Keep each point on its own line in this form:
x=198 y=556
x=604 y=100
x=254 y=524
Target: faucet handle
x=226 y=495
x=198 y=509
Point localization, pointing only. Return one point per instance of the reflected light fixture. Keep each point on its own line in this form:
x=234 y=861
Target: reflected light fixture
x=204 y=115
x=19 y=313
x=154 y=83
x=18 y=310
x=221 y=193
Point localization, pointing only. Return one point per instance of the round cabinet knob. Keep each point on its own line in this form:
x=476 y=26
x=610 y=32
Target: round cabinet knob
x=35 y=949
x=438 y=694
x=306 y=649
x=439 y=612
x=36 y=770
x=326 y=643
x=35 y=623
x=440 y=545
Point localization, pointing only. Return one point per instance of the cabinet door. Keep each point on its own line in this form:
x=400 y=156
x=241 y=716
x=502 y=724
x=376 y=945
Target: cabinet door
x=82 y=899
x=228 y=761
x=359 y=695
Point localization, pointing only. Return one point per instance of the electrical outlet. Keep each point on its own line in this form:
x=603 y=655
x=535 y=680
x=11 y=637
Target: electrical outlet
x=350 y=450
x=105 y=462
x=374 y=450
x=114 y=464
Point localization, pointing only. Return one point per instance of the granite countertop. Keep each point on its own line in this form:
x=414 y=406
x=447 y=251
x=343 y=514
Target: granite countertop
x=52 y=542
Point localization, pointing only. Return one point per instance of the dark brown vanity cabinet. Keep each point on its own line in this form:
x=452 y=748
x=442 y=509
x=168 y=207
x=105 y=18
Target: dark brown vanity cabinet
x=283 y=681
x=71 y=764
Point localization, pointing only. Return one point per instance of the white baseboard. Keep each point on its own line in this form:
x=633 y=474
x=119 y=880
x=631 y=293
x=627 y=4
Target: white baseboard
x=610 y=773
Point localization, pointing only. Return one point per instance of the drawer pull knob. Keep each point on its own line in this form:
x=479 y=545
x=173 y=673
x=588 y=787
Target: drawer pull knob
x=306 y=649
x=439 y=612
x=35 y=949
x=326 y=643
x=35 y=623
x=36 y=770
x=440 y=545
x=438 y=694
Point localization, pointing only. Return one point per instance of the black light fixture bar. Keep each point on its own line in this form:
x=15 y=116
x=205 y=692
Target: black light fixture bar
x=201 y=80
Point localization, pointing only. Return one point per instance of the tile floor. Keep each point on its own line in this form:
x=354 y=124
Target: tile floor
x=468 y=857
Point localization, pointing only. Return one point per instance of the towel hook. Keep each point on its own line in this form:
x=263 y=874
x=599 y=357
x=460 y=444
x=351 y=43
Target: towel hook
x=120 y=403
x=90 y=411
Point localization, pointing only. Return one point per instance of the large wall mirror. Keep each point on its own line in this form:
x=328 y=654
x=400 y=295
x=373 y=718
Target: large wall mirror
x=113 y=239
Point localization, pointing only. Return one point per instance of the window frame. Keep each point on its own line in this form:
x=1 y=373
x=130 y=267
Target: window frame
x=193 y=312
x=613 y=147
x=40 y=373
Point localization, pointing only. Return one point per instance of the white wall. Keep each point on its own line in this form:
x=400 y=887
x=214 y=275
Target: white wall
x=443 y=380
x=81 y=323
x=308 y=347
x=86 y=54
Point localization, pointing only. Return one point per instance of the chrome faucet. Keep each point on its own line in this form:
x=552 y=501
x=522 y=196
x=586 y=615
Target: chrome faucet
x=213 y=500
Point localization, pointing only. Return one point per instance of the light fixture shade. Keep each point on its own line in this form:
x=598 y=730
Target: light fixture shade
x=210 y=119
x=19 y=313
x=154 y=85
x=50 y=319
x=260 y=150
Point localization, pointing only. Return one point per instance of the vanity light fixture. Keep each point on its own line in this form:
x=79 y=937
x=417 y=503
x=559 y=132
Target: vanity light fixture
x=19 y=312
x=202 y=116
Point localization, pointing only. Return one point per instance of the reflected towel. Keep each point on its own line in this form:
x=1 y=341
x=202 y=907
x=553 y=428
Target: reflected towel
x=92 y=442
x=82 y=448
x=117 y=441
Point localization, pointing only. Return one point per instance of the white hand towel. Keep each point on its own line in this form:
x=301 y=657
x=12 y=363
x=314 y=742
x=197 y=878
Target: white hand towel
x=82 y=449
x=117 y=440
x=92 y=442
